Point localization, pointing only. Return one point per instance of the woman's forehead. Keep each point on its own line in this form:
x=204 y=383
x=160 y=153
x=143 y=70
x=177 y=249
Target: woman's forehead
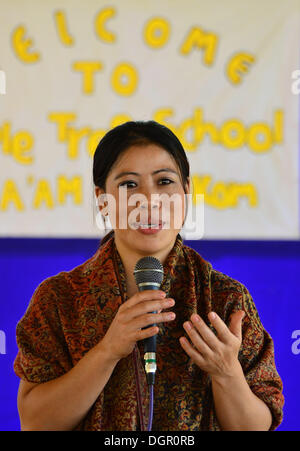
x=147 y=158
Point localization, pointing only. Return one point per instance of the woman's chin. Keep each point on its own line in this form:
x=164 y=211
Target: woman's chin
x=150 y=242
x=156 y=243
x=146 y=240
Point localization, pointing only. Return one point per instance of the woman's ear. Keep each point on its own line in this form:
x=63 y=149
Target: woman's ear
x=101 y=200
x=98 y=191
x=188 y=186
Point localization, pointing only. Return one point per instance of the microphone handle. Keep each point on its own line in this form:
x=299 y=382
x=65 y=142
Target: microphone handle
x=149 y=343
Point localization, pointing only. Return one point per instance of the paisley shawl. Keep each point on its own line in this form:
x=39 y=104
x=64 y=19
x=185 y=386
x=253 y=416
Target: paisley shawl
x=69 y=313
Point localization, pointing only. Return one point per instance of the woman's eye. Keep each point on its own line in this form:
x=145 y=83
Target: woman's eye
x=128 y=184
x=132 y=184
x=166 y=181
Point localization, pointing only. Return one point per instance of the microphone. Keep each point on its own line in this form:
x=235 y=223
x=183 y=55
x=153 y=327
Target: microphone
x=149 y=274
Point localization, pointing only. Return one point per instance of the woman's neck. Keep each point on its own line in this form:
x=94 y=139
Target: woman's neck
x=129 y=259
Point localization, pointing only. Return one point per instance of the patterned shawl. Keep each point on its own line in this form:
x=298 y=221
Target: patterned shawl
x=70 y=312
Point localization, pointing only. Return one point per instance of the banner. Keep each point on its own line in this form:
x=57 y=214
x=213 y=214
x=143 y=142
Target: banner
x=223 y=76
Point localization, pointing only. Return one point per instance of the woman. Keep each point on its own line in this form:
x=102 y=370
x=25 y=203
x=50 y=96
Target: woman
x=80 y=340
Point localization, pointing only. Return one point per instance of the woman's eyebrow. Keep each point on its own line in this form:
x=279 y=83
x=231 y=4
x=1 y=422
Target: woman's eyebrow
x=153 y=173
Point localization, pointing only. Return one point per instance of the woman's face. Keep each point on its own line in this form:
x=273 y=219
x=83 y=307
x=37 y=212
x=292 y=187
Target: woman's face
x=141 y=183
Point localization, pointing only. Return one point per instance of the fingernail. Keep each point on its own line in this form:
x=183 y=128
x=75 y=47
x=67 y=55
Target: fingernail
x=213 y=315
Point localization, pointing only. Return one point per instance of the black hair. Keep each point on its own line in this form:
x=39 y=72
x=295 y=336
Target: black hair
x=131 y=133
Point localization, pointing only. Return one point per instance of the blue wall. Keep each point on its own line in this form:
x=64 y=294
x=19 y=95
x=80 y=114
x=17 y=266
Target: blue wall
x=270 y=270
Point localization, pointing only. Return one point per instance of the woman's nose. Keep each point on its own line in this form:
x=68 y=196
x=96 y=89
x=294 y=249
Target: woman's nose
x=150 y=204
x=150 y=199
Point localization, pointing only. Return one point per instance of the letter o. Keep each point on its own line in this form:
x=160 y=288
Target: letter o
x=128 y=87
x=230 y=127
x=157 y=32
x=254 y=143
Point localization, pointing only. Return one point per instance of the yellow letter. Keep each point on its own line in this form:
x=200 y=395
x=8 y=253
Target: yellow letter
x=10 y=194
x=157 y=32
x=5 y=138
x=93 y=141
x=160 y=115
x=74 y=137
x=202 y=40
x=62 y=119
x=101 y=18
x=22 y=142
x=233 y=134
x=73 y=187
x=204 y=127
x=239 y=64
x=200 y=185
x=278 y=127
x=119 y=119
x=247 y=190
x=187 y=124
x=218 y=196
x=88 y=68
x=124 y=79
x=62 y=28
x=259 y=137
x=21 y=46
x=43 y=194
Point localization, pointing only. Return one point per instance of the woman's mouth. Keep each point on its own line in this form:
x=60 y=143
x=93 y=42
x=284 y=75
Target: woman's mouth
x=150 y=228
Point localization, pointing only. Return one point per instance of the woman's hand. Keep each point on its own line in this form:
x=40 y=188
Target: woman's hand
x=217 y=355
x=133 y=315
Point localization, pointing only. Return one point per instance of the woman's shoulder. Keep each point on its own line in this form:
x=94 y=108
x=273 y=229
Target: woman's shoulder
x=218 y=281
x=65 y=283
x=223 y=282
x=220 y=292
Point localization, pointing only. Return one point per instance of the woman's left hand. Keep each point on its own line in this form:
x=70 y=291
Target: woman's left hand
x=217 y=355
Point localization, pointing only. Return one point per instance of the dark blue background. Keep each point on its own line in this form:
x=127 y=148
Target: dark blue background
x=270 y=271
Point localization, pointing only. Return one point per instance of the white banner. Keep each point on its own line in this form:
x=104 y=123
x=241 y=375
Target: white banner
x=222 y=75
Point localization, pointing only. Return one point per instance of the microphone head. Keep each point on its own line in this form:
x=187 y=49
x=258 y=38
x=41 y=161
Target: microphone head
x=148 y=270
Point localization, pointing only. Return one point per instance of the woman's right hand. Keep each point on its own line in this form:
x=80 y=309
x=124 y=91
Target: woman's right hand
x=132 y=316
